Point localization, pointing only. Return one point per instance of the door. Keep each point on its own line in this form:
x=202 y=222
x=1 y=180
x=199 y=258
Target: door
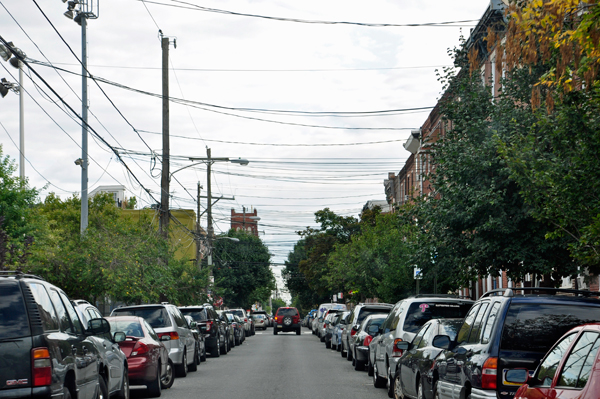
x=410 y=361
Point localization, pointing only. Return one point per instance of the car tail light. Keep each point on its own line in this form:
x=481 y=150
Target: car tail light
x=41 y=367
x=352 y=332
x=367 y=340
x=172 y=335
x=397 y=352
x=489 y=373
x=140 y=348
x=246 y=320
x=209 y=325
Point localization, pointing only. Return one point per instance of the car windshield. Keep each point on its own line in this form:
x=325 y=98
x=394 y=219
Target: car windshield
x=450 y=328
x=366 y=312
x=197 y=315
x=238 y=313
x=287 y=312
x=130 y=328
x=536 y=327
x=157 y=317
x=420 y=313
x=13 y=316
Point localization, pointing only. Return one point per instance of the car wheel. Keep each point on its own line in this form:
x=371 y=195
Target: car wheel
x=225 y=347
x=436 y=394
x=370 y=368
x=390 y=383
x=398 y=392
x=333 y=347
x=378 y=382
x=348 y=354
x=155 y=387
x=420 y=389
x=182 y=369
x=216 y=351
x=66 y=393
x=358 y=365
x=274 y=331
x=102 y=389
x=166 y=382
x=343 y=352
x=327 y=344
x=203 y=356
x=298 y=331
x=194 y=365
x=124 y=391
x=353 y=361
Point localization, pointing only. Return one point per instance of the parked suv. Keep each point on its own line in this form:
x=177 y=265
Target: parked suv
x=114 y=361
x=210 y=324
x=402 y=324
x=44 y=348
x=248 y=325
x=287 y=319
x=359 y=313
x=172 y=329
x=506 y=331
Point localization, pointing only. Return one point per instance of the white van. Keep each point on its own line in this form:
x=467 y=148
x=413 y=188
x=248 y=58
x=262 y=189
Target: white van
x=324 y=307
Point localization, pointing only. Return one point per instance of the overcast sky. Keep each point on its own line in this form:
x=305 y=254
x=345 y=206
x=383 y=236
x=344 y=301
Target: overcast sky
x=332 y=155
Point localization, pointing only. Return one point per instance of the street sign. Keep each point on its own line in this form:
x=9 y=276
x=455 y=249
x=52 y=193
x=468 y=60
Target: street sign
x=418 y=274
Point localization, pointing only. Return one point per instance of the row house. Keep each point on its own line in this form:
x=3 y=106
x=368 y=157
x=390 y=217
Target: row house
x=246 y=221
x=411 y=181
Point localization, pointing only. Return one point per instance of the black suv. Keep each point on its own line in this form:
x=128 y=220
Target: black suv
x=44 y=348
x=505 y=331
x=210 y=323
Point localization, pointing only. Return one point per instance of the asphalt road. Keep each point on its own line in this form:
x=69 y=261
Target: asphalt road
x=274 y=366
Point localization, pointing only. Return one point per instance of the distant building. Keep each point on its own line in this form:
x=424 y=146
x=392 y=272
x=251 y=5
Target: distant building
x=245 y=221
x=382 y=204
x=118 y=193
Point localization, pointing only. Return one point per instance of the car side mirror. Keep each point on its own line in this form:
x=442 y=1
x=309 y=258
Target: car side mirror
x=98 y=326
x=517 y=376
x=442 y=341
x=193 y=325
x=403 y=345
x=119 y=337
x=355 y=327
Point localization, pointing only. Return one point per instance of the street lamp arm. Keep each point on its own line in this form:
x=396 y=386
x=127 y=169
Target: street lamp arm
x=185 y=167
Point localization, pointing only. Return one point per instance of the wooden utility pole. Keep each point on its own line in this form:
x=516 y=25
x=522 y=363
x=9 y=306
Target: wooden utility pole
x=164 y=182
x=198 y=238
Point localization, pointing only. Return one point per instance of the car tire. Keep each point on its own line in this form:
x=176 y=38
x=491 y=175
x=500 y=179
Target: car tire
x=358 y=365
x=343 y=352
x=66 y=393
x=216 y=351
x=274 y=331
x=328 y=344
x=182 y=369
x=194 y=366
x=166 y=382
x=154 y=389
x=370 y=369
x=224 y=348
x=390 y=383
x=298 y=331
x=203 y=356
x=333 y=347
x=348 y=354
x=378 y=382
x=420 y=389
x=398 y=392
x=102 y=389
x=124 y=391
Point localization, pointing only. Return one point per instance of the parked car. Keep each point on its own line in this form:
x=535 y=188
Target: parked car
x=327 y=329
x=266 y=317
x=320 y=312
x=199 y=337
x=241 y=313
x=168 y=322
x=505 y=331
x=330 y=329
x=368 y=328
x=287 y=319
x=147 y=356
x=227 y=319
x=260 y=321
x=114 y=361
x=571 y=369
x=45 y=351
x=357 y=316
x=340 y=326
x=414 y=376
x=211 y=324
x=405 y=319
x=238 y=329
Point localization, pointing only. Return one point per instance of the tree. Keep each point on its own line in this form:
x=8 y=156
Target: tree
x=242 y=269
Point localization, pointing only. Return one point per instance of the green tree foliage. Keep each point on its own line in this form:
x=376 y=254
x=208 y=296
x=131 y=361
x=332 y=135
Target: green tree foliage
x=117 y=257
x=242 y=270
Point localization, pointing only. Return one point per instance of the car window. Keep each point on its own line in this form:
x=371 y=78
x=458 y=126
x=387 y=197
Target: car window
x=239 y=313
x=129 y=327
x=394 y=321
x=420 y=312
x=151 y=331
x=489 y=324
x=535 y=327
x=449 y=328
x=548 y=367
x=419 y=338
x=72 y=314
x=578 y=366
x=287 y=312
x=13 y=314
x=61 y=311
x=366 y=312
x=157 y=317
x=47 y=312
x=179 y=320
x=463 y=333
x=477 y=324
x=197 y=315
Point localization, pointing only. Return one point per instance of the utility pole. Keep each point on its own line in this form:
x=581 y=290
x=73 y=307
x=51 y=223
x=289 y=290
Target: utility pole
x=84 y=126
x=209 y=220
x=21 y=120
x=164 y=182
x=198 y=262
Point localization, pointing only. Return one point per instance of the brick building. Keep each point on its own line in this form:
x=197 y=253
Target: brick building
x=245 y=221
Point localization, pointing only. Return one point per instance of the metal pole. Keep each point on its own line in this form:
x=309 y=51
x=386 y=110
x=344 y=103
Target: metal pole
x=164 y=183
x=198 y=262
x=209 y=221
x=84 y=126
x=21 y=123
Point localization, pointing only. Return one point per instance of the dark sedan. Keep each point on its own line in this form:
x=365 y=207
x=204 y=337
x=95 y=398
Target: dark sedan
x=368 y=329
x=147 y=357
x=413 y=376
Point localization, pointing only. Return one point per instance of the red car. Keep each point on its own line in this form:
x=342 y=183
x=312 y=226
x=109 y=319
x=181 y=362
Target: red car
x=287 y=319
x=571 y=369
x=147 y=357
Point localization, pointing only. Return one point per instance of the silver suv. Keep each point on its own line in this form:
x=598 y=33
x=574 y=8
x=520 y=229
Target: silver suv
x=173 y=331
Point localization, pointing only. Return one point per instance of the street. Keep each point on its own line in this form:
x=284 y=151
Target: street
x=281 y=366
